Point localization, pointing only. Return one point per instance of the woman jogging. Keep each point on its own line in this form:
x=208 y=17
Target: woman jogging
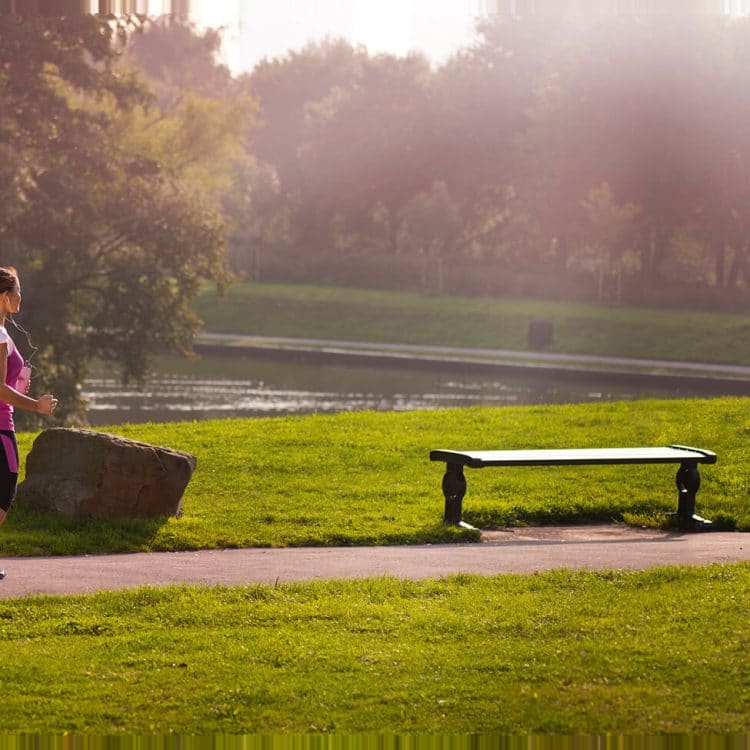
x=14 y=382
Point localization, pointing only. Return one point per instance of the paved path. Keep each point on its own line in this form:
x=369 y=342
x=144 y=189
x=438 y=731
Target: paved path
x=512 y=551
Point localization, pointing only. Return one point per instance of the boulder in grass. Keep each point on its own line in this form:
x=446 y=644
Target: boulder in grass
x=84 y=473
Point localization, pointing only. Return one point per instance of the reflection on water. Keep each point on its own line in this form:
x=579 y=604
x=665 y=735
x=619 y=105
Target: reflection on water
x=241 y=387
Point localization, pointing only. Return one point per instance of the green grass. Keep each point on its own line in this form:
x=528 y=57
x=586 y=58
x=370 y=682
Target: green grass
x=365 y=478
x=663 y=651
x=392 y=317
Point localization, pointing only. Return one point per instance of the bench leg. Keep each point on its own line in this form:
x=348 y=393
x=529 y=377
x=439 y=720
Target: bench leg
x=454 y=489
x=688 y=484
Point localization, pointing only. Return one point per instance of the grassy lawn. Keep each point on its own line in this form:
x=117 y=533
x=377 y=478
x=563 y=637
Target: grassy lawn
x=365 y=478
x=663 y=651
x=392 y=317
x=561 y=653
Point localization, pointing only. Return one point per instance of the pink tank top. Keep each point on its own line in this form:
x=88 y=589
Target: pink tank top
x=12 y=371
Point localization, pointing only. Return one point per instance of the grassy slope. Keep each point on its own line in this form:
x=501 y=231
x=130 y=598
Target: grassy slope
x=365 y=478
x=391 y=317
x=659 y=652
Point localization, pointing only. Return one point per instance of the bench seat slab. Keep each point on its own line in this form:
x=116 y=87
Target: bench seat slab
x=672 y=454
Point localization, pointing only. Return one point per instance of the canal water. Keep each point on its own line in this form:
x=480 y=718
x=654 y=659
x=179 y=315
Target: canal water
x=218 y=386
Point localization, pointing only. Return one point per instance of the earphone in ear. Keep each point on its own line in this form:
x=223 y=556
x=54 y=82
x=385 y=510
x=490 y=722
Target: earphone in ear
x=34 y=349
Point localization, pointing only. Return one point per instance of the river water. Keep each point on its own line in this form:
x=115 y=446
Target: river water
x=217 y=387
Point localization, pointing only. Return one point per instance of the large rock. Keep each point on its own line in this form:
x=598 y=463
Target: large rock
x=85 y=473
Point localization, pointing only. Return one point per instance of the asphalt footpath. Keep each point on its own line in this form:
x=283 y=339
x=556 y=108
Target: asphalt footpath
x=526 y=550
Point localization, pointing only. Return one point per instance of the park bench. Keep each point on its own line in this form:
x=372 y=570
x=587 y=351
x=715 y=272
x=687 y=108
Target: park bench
x=688 y=477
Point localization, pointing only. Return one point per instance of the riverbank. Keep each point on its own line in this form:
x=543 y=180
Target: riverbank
x=710 y=378
x=388 y=318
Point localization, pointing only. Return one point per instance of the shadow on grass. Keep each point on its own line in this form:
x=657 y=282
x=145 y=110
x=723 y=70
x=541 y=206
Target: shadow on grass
x=719 y=522
x=639 y=514
x=28 y=534
x=437 y=533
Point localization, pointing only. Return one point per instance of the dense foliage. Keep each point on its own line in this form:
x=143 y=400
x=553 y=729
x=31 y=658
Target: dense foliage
x=99 y=209
x=607 y=159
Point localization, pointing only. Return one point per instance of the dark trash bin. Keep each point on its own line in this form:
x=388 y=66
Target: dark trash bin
x=540 y=334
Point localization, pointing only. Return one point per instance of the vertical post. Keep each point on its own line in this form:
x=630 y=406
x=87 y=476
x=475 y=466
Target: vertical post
x=454 y=489
x=688 y=484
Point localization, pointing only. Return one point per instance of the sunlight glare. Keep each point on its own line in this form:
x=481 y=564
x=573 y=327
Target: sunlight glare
x=382 y=26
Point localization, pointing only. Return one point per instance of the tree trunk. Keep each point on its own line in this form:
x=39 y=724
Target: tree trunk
x=720 y=257
x=433 y=272
x=647 y=252
x=745 y=263
x=255 y=273
x=734 y=271
x=737 y=268
x=562 y=250
x=660 y=252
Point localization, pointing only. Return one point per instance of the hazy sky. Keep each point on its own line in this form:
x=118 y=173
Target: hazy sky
x=270 y=28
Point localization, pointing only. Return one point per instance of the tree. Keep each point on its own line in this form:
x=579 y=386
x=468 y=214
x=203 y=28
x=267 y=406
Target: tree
x=111 y=247
x=285 y=88
x=612 y=238
x=200 y=133
x=199 y=130
x=362 y=154
x=639 y=112
x=481 y=103
x=430 y=227
x=176 y=57
x=494 y=106
x=260 y=220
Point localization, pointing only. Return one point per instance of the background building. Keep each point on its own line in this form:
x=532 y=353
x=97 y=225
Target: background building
x=182 y=8
x=600 y=7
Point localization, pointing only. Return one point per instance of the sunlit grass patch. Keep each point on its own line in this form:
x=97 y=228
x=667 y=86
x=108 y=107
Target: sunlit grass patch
x=365 y=478
x=566 y=652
